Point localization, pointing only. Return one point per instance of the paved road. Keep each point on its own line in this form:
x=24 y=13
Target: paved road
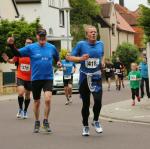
x=66 y=125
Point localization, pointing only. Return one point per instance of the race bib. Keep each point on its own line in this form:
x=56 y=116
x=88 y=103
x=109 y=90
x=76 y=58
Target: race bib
x=92 y=63
x=67 y=77
x=107 y=70
x=25 y=67
x=133 y=78
x=117 y=70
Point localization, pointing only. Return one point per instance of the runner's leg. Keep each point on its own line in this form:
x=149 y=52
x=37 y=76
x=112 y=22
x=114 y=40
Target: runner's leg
x=85 y=95
x=147 y=87
x=142 y=87
x=47 y=97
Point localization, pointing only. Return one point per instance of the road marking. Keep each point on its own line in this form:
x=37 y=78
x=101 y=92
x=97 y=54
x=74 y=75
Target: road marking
x=120 y=109
x=141 y=116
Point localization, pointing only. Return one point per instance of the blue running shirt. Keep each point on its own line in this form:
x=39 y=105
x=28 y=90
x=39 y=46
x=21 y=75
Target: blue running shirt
x=95 y=52
x=41 y=60
x=68 y=67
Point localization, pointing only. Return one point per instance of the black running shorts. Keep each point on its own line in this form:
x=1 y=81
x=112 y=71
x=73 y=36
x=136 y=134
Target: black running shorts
x=39 y=85
x=26 y=84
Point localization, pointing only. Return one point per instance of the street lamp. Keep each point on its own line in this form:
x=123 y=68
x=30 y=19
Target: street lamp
x=67 y=9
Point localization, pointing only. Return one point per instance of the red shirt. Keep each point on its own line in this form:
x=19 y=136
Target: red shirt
x=24 y=68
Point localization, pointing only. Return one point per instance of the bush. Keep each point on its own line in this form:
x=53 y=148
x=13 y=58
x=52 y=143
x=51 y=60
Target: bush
x=20 y=30
x=127 y=54
x=63 y=53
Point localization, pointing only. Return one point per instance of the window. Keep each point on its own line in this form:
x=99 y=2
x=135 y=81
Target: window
x=9 y=78
x=113 y=29
x=61 y=4
x=61 y=18
x=51 y=3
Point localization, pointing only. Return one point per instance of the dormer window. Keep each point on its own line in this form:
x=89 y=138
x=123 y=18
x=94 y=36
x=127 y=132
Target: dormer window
x=113 y=29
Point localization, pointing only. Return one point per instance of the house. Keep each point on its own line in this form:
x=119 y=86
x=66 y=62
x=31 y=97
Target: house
x=7 y=75
x=54 y=17
x=117 y=32
x=11 y=6
x=12 y=14
x=132 y=18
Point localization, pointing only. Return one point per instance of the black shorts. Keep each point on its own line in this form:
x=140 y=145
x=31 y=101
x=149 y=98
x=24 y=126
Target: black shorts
x=121 y=76
x=26 y=84
x=67 y=81
x=38 y=85
x=108 y=75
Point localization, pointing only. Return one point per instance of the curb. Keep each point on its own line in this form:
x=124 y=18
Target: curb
x=124 y=120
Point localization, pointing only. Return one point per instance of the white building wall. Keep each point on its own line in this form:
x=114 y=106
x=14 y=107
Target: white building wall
x=7 y=10
x=49 y=16
x=104 y=34
x=7 y=67
x=131 y=38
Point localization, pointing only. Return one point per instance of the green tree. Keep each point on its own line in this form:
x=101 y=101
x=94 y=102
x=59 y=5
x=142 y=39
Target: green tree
x=144 y=20
x=63 y=53
x=127 y=53
x=83 y=12
x=20 y=30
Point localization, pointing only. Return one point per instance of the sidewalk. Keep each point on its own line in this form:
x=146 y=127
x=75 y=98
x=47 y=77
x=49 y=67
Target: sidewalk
x=124 y=111
x=8 y=97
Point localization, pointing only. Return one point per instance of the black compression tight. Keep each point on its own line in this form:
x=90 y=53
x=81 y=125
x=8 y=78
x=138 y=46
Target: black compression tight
x=85 y=95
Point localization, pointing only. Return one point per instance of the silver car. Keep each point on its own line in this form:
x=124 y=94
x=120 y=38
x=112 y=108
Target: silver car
x=58 y=84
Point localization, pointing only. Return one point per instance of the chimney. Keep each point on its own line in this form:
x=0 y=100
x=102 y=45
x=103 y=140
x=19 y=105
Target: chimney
x=121 y=2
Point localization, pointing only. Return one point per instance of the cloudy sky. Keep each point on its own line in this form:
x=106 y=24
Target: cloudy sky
x=133 y=4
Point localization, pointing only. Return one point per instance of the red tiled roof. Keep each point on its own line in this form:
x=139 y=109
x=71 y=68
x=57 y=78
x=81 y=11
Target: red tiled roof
x=129 y=16
x=122 y=24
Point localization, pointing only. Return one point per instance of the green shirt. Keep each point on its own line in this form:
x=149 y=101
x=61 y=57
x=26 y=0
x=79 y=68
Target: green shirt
x=134 y=77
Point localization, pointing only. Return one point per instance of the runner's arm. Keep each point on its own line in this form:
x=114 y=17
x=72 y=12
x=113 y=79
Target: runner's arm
x=57 y=58
x=25 y=51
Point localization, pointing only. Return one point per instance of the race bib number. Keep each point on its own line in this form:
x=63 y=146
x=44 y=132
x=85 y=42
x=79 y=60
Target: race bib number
x=133 y=78
x=107 y=70
x=92 y=63
x=67 y=77
x=25 y=67
x=117 y=70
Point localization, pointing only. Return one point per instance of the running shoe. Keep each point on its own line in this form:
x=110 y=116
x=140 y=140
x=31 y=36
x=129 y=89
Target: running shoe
x=25 y=116
x=46 y=126
x=36 y=127
x=70 y=100
x=67 y=103
x=97 y=126
x=20 y=113
x=133 y=103
x=138 y=99
x=86 y=131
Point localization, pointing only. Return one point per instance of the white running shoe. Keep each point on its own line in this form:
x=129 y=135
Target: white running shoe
x=86 y=131
x=20 y=113
x=97 y=126
x=25 y=115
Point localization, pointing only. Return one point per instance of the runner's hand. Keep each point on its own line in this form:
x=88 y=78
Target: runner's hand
x=59 y=64
x=5 y=57
x=10 y=40
x=84 y=57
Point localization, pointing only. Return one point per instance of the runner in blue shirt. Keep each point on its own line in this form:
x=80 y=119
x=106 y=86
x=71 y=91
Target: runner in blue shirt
x=41 y=55
x=68 y=70
x=143 y=67
x=90 y=54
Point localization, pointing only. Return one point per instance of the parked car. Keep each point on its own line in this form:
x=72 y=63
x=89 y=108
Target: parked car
x=58 y=84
